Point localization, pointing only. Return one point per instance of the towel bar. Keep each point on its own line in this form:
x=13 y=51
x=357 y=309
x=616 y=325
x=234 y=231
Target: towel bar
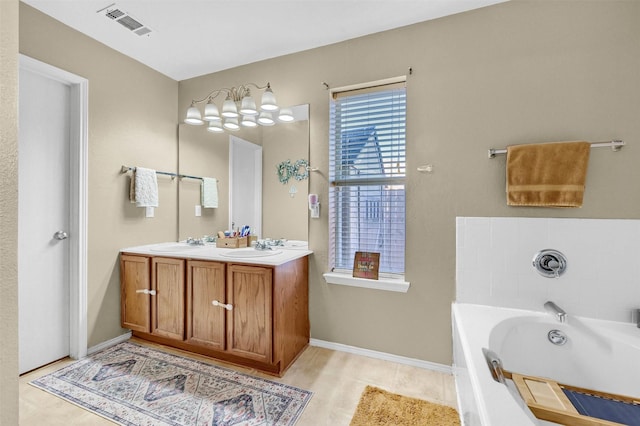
x=615 y=145
x=125 y=169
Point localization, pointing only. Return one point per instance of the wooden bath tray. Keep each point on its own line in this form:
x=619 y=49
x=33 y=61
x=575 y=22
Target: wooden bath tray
x=574 y=406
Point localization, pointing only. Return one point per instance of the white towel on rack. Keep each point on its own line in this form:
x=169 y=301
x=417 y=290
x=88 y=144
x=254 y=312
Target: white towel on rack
x=146 y=187
x=209 y=193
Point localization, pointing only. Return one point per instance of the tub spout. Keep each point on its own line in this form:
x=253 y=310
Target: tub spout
x=560 y=314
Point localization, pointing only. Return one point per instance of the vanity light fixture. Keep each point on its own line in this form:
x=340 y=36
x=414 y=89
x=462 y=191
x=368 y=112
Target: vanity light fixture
x=238 y=110
x=286 y=115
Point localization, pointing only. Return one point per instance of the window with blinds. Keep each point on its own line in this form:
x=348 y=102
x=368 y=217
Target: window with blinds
x=367 y=175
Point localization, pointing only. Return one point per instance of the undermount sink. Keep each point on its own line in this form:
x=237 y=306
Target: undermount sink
x=250 y=252
x=172 y=248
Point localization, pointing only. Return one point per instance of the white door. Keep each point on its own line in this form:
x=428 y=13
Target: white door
x=245 y=176
x=44 y=220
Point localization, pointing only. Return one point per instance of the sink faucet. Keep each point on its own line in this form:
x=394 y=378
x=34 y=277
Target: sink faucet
x=195 y=241
x=560 y=314
x=262 y=245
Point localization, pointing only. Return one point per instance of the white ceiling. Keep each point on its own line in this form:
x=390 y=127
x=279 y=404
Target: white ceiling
x=190 y=38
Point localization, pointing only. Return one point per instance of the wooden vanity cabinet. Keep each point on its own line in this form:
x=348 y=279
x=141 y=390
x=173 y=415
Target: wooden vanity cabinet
x=167 y=304
x=135 y=285
x=249 y=292
x=232 y=313
x=206 y=323
x=253 y=315
x=152 y=295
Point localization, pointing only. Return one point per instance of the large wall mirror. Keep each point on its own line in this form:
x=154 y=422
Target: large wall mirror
x=249 y=188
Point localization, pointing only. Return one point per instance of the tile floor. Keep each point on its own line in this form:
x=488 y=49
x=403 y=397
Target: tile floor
x=336 y=378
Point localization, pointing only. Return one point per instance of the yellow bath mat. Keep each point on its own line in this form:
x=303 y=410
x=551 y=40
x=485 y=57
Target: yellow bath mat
x=378 y=407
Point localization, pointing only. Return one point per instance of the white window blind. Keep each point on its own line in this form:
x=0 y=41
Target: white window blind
x=367 y=175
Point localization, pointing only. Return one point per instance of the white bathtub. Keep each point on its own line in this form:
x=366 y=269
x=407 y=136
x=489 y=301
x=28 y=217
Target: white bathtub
x=601 y=355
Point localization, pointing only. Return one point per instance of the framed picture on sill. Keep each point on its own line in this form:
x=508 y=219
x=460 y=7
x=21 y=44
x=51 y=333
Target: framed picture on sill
x=366 y=265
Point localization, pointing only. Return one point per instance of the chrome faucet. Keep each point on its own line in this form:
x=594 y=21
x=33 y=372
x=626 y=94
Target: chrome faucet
x=195 y=241
x=262 y=245
x=560 y=314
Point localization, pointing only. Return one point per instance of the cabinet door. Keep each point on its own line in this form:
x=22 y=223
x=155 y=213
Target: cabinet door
x=250 y=322
x=168 y=308
x=205 y=321
x=135 y=301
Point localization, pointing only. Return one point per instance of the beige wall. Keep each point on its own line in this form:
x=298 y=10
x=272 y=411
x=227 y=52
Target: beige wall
x=522 y=71
x=132 y=121
x=9 y=212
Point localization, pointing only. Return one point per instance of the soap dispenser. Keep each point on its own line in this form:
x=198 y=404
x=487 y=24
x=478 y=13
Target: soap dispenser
x=314 y=206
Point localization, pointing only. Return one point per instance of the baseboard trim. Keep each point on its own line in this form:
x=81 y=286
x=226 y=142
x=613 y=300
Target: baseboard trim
x=382 y=355
x=428 y=365
x=104 y=345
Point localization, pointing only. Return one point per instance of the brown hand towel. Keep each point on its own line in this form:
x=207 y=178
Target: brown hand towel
x=547 y=174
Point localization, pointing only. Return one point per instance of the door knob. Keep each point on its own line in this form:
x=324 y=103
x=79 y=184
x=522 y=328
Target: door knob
x=61 y=235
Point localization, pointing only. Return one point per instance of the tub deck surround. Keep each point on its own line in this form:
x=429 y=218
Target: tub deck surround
x=222 y=303
x=494 y=264
x=599 y=355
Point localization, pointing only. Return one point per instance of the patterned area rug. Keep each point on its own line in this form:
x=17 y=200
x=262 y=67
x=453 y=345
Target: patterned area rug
x=136 y=385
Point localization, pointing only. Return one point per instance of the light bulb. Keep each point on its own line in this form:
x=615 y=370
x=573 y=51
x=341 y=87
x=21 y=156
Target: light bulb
x=229 y=109
x=248 y=106
x=248 y=121
x=268 y=100
x=193 y=116
x=215 y=127
x=231 y=124
x=211 y=112
x=266 y=119
x=286 y=115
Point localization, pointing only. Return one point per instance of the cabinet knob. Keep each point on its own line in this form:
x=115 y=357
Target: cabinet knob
x=228 y=307
x=145 y=291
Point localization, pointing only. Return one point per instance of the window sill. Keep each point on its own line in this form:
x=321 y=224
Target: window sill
x=388 y=284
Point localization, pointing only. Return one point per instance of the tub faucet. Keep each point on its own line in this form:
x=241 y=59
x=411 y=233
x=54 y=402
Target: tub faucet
x=560 y=314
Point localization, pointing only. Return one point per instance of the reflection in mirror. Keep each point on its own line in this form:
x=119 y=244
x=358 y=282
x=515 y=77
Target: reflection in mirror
x=245 y=181
x=285 y=209
x=284 y=205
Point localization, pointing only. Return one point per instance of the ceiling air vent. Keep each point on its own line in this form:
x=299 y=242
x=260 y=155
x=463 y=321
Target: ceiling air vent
x=115 y=14
x=142 y=31
x=123 y=18
x=129 y=23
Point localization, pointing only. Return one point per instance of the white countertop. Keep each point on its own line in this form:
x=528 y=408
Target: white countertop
x=277 y=256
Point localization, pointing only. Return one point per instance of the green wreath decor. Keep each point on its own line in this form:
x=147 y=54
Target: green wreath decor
x=301 y=169
x=284 y=171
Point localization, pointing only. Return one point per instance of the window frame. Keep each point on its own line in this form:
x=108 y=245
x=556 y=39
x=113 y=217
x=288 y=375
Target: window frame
x=386 y=281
